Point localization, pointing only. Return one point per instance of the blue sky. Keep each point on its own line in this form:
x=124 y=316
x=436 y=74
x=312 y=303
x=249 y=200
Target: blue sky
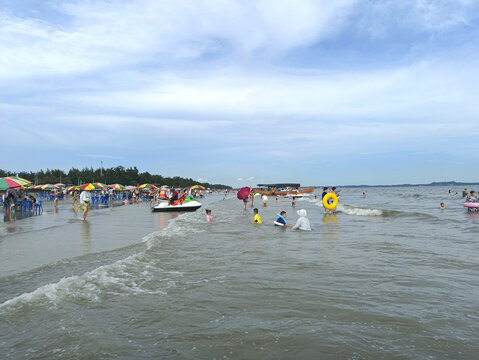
x=241 y=92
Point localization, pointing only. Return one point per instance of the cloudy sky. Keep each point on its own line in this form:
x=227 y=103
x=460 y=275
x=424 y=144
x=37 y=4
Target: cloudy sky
x=241 y=92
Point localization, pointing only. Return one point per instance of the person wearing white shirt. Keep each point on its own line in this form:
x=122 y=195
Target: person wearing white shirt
x=303 y=221
x=85 y=201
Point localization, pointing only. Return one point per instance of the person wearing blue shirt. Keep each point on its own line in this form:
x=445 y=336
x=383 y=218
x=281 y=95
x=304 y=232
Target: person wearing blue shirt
x=281 y=220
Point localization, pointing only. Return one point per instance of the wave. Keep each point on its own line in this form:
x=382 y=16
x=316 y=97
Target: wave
x=352 y=210
x=139 y=273
x=358 y=211
x=363 y=211
x=184 y=225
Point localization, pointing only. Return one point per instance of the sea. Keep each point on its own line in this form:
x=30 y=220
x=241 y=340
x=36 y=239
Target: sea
x=387 y=276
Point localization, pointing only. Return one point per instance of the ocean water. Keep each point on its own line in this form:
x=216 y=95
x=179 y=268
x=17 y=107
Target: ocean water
x=389 y=276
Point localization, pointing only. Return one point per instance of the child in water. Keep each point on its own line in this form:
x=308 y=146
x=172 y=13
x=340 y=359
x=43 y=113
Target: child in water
x=442 y=206
x=209 y=217
x=303 y=221
x=257 y=218
x=281 y=220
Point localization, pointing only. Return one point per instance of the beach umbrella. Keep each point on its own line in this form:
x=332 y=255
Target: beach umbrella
x=130 y=187
x=117 y=187
x=72 y=188
x=147 y=186
x=47 y=187
x=101 y=185
x=60 y=185
x=199 y=187
x=89 y=186
x=243 y=193
x=11 y=182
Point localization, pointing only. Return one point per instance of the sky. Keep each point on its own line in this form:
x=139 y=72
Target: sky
x=243 y=92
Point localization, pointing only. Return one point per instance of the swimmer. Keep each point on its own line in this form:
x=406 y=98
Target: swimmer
x=281 y=220
x=264 y=198
x=209 y=217
x=442 y=206
x=257 y=218
x=473 y=199
x=303 y=221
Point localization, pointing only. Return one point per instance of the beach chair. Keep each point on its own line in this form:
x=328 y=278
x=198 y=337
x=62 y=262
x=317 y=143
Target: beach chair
x=26 y=206
x=38 y=207
x=4 y=206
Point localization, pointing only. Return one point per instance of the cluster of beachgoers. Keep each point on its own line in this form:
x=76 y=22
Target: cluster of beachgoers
x=21 y=199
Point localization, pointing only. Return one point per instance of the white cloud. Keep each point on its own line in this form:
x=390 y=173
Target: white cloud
x=118 y=73
x=104 y=33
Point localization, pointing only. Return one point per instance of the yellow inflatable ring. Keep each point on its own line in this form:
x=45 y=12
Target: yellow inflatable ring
x=326 y=204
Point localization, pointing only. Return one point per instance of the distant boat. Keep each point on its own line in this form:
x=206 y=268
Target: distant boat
x=283 y=189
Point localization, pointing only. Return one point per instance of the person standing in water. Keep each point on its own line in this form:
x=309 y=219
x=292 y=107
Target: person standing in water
x=325 y=191
x=85 y=201
x=264 y=198
x=256 y=218
x=209 y=217
x=56 y=201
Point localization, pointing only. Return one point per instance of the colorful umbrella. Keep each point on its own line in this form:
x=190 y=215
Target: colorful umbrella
x=46 y=187
x=117 y=187
x=11 y=182
x=101 y=185
x=199 y=187
x=243 y=193
x=89 y=186
x=73 y=188
x=147 y=186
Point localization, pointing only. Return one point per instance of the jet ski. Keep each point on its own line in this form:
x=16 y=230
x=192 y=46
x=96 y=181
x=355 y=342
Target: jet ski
x=187 y=204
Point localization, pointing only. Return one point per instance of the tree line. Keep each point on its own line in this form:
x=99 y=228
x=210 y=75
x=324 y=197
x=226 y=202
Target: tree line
x=114 y=175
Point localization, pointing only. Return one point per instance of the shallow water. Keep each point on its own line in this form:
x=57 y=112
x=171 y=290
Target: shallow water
x=389 y=276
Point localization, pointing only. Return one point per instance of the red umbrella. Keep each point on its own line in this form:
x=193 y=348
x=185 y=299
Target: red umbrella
x=243 y=193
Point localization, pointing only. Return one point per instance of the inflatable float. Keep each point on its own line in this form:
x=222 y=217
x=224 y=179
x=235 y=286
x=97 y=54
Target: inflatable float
x=186 y=204
x=326 y=203
x=471 y=205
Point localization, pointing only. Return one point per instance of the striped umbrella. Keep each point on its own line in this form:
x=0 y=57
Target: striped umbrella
x=89 y=186
x=147 y=186
x=11 y=182
x=73 y=188
x=117 y=187
x=47 y=187
x=101 y=185
x=199 y=187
